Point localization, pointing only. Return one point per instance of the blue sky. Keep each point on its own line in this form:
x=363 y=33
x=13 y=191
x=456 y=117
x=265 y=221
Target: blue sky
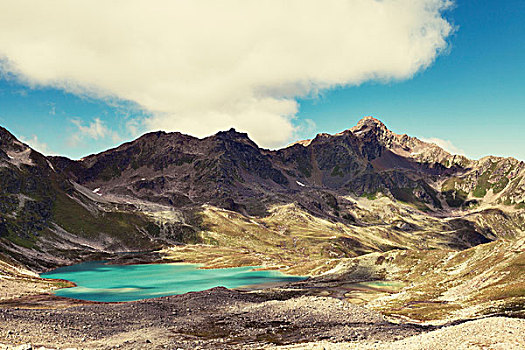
x=472 y=96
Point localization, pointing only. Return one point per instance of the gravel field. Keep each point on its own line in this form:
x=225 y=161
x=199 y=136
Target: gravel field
x=495 y=333
x=215 y=319
x=220 y=318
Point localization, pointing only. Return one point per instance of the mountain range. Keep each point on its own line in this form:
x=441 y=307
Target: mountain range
x=363 y=204
x=381 y=190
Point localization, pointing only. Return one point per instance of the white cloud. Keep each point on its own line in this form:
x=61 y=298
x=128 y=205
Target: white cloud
x=37 y=145
x=93 y=130
x=305 y=128
x=445 y=144
x=133 y=127
x=203 y=65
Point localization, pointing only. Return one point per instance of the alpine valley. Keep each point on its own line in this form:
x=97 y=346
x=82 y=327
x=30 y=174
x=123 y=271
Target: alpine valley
x=395 y=232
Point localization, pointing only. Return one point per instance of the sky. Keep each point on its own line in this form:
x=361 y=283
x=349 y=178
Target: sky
x=80 y=77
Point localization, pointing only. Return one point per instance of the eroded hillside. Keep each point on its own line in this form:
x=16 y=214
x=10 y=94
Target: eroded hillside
x=365 y=193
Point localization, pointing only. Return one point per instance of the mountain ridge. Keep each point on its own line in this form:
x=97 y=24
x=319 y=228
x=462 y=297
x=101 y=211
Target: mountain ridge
x=393 y=142
x=362 y=205
x=162 y=182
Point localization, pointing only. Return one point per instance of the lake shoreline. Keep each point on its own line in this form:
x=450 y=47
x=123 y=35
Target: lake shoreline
x=218 y=318
x=100 y=281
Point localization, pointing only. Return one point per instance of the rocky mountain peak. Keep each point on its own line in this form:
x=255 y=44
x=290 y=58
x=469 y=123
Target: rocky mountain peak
x=371 y=122
x=234 y=135
x=7 y=139
x=373 y=130
x=14 y=151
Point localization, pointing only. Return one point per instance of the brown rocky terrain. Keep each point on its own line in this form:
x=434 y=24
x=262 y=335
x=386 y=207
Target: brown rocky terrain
x=218 y=318
x=398 y=236
x=154 y=192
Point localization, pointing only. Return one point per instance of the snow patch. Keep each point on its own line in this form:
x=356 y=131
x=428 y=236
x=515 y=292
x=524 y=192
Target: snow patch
x=96 y=191
x=22 y=157
x=300 y=184
x=51 y=166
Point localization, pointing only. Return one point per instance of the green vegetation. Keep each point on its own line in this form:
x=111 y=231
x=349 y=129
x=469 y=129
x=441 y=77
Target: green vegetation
x=455 y=198
x=450 y=184
x=331 y=201
x=288 y=237
x=75 y=218
x=110 y=172
x=303 y=165
x=337 y=171
x=484 y=183
x=512 y=189
x=28 y=242
x=443 y=282
x=432 y=193
x=406 y=195
x=480 y=191
x=371 y=196
x=500 y=185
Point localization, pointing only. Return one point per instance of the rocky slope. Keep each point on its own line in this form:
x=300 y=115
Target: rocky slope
x=380 y=220
x=48 y=220
x=228 y=170
x=365 y=189
x=489 y=333
x=434 y=285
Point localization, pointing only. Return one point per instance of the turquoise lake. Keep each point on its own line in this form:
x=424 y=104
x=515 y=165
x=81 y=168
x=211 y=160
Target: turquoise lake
x=97 y=281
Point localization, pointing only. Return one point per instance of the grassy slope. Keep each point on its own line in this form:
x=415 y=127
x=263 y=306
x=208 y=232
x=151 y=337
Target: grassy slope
x=16 y=281
x=443 y=285
x=296 y=242
x=126 y=229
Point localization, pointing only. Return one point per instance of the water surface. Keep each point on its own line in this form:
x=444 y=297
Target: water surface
x=97 y=281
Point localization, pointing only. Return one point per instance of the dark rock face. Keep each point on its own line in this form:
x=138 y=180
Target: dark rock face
x=44 y=220
x=40 y=196
x=229 y=170
x=180 y=170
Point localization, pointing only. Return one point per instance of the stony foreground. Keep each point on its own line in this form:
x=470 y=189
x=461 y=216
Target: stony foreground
x=226 y=319
x=495 y=333
x=214 y=319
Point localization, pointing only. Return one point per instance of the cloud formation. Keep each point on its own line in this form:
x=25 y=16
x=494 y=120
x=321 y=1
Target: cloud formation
x=445 y=144
x=38 y=145
x=95 y=130
x=203 y=65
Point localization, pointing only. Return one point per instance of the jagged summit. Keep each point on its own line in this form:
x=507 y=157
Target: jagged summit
x=234 y=135
x=230 y=170
x=376 y=135
x=9 y=140
x=178 y=172
x=373 y=125
x=232 y=131
x=369 y=121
